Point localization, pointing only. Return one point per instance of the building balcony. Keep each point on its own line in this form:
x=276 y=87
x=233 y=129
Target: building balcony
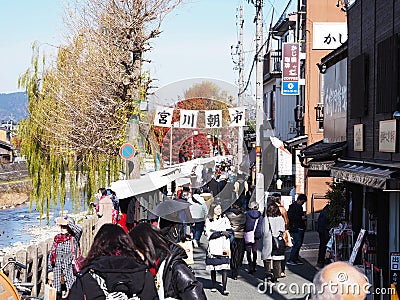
x=272 y=64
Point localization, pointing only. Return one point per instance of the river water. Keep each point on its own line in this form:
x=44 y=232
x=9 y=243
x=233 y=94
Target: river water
x=19 y=225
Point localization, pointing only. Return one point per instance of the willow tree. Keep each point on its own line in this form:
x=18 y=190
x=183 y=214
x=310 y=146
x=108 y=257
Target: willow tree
x=79 y=104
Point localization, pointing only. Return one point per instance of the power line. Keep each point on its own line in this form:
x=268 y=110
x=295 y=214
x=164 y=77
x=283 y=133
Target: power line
x=255 y=58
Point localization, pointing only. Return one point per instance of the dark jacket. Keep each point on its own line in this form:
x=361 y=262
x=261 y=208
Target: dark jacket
x=238 y=221
x=178 y=279
x=213 y=186
x=323 y=222
x=295 y=213
x=251 y=216
x=173 y=231
x=121 y=274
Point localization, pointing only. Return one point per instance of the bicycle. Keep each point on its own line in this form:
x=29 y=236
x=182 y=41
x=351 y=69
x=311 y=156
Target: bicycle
x=15 y=289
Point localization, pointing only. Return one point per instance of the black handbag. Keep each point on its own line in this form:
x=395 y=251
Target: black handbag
x=278 y=243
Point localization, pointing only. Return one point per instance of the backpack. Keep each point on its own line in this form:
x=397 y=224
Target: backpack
x=115 y=289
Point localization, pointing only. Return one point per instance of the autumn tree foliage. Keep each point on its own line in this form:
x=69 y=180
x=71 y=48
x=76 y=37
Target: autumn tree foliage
x=80 y=104
x=200 y=142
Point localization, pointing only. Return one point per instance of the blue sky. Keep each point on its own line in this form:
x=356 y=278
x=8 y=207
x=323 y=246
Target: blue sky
x=195 y=42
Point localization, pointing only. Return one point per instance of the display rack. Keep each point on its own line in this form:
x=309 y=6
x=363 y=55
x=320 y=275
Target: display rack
x=341 y=244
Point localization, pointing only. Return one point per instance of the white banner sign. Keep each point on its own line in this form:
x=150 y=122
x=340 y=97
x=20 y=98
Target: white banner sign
x=329 y=35
x=237 y=116
x=213 y=118
x=188 y=118
x=163 y=116
x=285 y=165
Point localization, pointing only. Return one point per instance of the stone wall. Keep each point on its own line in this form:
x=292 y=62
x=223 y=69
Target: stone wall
x=14 y=171
x=15 y=184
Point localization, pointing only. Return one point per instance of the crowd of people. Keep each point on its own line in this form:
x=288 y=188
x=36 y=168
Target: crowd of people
x=145 y=261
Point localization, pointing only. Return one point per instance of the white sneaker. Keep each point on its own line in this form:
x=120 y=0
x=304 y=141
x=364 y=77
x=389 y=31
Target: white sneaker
x=195 y=244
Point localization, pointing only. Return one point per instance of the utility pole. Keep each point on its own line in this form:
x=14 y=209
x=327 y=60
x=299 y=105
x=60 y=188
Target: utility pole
x=259 y=103
x=241 y=83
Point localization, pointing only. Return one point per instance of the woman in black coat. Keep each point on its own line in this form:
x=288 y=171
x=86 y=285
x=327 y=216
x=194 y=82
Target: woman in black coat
x=113 y=269
x=174 y=278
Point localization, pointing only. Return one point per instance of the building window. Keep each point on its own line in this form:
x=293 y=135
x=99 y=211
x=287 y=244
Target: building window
x=359 y=86
x=387 y=75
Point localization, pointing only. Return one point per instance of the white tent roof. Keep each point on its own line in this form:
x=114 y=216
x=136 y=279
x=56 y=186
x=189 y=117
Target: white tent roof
x=155 y=180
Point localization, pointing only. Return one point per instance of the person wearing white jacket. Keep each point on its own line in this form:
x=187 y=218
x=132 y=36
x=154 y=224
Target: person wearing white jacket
x=199 y=211
x=219 y=230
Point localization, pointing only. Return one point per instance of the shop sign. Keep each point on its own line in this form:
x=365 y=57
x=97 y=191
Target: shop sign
x=290 y=68
x=387 y=136
x=329 y=35
x=359 y=137
x=395 y=268
x=285 y=166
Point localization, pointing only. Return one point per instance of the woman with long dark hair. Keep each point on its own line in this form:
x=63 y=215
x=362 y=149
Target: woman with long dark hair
x=219 y=231
x=113 y=269
x=273 y=225
x=174 y=279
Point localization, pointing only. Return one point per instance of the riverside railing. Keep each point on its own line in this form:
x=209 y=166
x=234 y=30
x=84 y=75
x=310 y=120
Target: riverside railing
x=35 y=257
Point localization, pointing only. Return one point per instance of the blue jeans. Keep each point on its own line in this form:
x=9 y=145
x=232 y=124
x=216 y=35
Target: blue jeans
x=197 y=230
x=298 y=238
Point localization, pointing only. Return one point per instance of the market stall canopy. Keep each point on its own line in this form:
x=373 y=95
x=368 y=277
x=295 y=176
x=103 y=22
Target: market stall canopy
x=182 y=173
x=147 y=183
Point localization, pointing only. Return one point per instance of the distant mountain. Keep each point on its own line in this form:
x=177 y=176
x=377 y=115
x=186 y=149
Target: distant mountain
x=13 y=106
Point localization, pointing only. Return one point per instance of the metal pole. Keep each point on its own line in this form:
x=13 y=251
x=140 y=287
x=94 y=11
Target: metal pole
x=241 y=83
x=170 y=146
x=259 y=104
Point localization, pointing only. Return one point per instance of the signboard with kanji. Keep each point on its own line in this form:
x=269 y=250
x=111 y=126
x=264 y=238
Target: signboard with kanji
x=213 y=118
x=290 y=68
x=188 y=118
x=237 y=116
x=395 y=269
x=285 y=165
x=329 y=35
x=163 y=116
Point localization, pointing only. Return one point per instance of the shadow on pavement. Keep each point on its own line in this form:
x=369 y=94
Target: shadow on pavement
x=307 y=271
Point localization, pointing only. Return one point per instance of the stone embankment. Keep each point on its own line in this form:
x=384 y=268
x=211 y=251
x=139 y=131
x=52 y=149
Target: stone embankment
x=15 y=184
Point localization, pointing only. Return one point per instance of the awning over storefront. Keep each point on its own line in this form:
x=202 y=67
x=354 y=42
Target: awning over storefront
x=323 y=151
x=319 y=157
x=296 y=141
x=364 y=174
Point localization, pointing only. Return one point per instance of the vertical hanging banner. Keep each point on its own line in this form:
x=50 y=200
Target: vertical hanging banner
x=188 y=118
x=163 y=116
x=237 y=116
x=213 y=118
x=290 y=68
